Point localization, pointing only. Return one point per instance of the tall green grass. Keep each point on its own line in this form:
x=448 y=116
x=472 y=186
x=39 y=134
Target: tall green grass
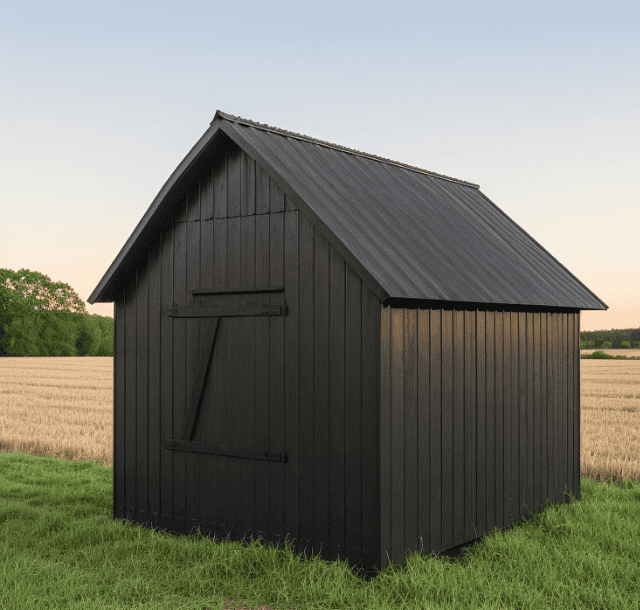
x=60 y=549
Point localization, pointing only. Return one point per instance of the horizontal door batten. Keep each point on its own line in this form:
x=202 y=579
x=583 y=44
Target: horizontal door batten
x=214 y=312
x=228 y=450
x=248 y=291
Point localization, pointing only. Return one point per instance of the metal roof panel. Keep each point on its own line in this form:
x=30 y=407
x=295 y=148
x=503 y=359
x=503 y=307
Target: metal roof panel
x=411 y=233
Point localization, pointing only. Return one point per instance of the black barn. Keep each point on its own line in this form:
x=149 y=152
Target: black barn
x=312 y=341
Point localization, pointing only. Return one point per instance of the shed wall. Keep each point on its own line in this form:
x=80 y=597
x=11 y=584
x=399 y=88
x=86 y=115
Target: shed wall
x=233 y=228
x=480 y=418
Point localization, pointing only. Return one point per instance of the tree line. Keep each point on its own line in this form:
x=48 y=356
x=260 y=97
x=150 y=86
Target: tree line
x=39 y=317
x=610 y=339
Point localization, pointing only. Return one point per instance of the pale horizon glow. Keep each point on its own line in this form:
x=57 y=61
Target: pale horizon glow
x=540 y=106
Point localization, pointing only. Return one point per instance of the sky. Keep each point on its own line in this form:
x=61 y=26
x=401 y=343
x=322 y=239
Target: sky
x=539 y=104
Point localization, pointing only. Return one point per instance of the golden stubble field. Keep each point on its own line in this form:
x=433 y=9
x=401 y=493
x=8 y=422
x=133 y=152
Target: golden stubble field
x=64 y=407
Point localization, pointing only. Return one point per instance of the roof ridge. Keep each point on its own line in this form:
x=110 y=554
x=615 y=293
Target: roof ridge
x=292 y=134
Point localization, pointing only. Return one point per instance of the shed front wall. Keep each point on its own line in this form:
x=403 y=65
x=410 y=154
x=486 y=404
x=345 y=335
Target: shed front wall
x=315 y=391
x=479 y=422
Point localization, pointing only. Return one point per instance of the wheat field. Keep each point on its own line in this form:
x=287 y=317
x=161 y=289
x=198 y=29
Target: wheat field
x=64 y=407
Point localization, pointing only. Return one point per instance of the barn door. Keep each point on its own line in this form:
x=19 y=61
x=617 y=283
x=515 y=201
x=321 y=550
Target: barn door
x=230 y=358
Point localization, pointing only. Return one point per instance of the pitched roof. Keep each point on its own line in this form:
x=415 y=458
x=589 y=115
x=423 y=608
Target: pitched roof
x=409 y=232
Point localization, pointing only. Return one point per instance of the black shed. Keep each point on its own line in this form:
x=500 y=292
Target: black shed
x=313 y=341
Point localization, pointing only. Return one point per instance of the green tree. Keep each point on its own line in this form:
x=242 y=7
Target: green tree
x=25 y=289
x=30 y=308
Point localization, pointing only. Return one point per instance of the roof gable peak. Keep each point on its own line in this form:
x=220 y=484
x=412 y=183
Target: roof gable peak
x=291 y=134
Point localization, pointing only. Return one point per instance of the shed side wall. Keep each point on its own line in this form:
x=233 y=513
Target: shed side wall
x=479 y=421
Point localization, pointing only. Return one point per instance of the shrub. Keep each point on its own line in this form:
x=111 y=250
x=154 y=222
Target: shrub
x=599 y=356
x=606 y=345
x=625 y=344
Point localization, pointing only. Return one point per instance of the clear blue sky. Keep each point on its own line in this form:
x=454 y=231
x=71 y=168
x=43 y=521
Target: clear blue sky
x=539 y=105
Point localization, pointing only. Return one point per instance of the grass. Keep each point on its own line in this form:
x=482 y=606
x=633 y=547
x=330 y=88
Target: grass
x=61 y=549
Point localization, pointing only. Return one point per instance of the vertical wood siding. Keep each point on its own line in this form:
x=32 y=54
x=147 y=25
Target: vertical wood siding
x=405 y=428
x=474 y=433
x=307 y=381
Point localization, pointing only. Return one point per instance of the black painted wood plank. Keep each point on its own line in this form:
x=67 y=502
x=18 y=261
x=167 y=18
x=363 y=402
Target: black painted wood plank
x=490 y=418
x=482 y=481
x=142 y=398
x=233 y=180
x=221 y=422
x=306 y=356
x=544 y=418
x=576 y=399
x=551 y=422
x=248 y=351
x=262 y=382
x=353 y=414
x=262 y=190
x=538 y=456
x=130 y=414
x=192 y=462
x=411 y=422
x=154 y=333
x=471 y=429
x=180 y=388
x=206 y=192
x=166 y=377
x=337 y=448
x=555 y=399
x=247 y=185
x=250 y=453
x=248 y=252
x=206 y=462
x=220 y=254
x=233 y=253
x=119 y=410
x=569 y=394
x=397 y=432
x=523 y=436
x=155 y=446
x=435 y=429
x=507 y=492
x=220 y=185
x=262 y=251
x=564 y=406
x=276 y=370
x=371 y=477
x=498 y=402
x=446 y=415
x=458 y=445
x=237 y=311
x=321 y=388
x=193 y=200
x=530 y=415
x=386 y=406
x=291 y=380
x=277 y=299
x=423 y=491
x=515 y=471
x=232 y=415
x=276 y=249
